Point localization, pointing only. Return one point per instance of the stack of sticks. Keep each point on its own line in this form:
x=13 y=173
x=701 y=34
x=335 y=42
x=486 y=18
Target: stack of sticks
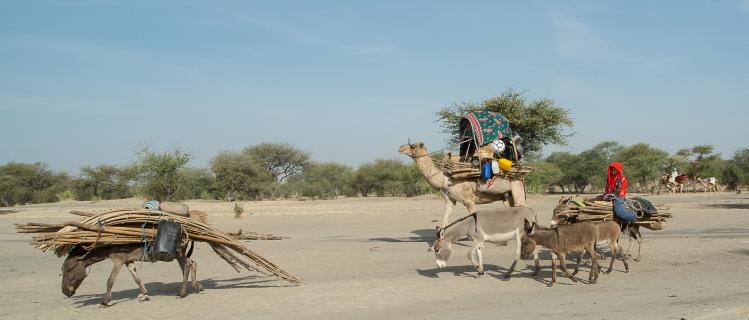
x=465 y=170
x=603 y=210
x=140 y=226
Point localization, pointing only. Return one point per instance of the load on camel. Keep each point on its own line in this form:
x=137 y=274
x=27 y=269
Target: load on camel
x=151 y=234
x=487 y=168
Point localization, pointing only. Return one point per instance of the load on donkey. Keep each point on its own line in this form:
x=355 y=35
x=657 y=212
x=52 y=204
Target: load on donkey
x=487 y=168
x=151 y=234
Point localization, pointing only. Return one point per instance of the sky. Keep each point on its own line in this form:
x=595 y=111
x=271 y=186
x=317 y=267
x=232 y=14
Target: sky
x=92 y=82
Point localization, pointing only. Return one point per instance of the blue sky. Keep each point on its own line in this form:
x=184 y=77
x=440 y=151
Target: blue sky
x=90 y=82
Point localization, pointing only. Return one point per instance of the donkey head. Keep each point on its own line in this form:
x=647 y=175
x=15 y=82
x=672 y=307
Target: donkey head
x=73 y=272
x=441 y=247
x=527 y=243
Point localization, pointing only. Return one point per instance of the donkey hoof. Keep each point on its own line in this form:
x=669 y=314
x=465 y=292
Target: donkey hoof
x=143 y=297
x=481 y=273
x=104 y=305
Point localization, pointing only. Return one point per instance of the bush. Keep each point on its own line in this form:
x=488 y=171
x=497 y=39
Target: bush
x=30 y=183
x=162 y=176
x=238 y=176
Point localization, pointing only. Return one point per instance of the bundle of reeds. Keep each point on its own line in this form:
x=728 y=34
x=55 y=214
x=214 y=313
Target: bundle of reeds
x=139 y=226
x=604 y=210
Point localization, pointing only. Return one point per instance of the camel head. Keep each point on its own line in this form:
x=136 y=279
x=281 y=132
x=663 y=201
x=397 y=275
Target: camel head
x=414 y=150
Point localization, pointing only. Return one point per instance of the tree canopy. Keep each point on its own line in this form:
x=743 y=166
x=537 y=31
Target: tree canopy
x=539 y=122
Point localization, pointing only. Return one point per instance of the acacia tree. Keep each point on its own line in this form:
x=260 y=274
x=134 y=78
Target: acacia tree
x=642 y=164
x=103 y=182
x=539 y=122
x=595 y=161
x=280 y=159
x=239 y=176
x=161 y=175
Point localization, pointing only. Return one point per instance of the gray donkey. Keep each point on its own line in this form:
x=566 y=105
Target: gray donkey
x=497 y=225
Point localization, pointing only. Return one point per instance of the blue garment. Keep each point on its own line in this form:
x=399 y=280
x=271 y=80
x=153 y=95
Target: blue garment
x=622 y=211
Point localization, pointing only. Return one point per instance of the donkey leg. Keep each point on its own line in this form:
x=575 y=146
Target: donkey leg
x=185 y=273
x=593 y=275
x=535 y=261
x=518 y=240
x=563 y=266
x=624 y=259
x=143 y=296
x=110 y=283
x=193 y=273
x=553 y=269
x=577 y=265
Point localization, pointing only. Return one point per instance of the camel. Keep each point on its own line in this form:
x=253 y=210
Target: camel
x=464 y=190
x=677 y=185
x=708 y=185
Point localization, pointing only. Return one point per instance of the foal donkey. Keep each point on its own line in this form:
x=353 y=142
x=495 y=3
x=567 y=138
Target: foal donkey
x=498 y=225
x=74 y=268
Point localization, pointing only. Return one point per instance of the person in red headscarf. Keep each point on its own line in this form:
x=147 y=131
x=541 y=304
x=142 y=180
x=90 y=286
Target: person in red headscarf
x=616 y=183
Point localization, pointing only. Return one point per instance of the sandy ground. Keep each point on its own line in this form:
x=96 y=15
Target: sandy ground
x=367 y=259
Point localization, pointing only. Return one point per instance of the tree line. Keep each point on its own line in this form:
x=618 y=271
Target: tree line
x=281 y=170
x=264 y=171
x=644 y=165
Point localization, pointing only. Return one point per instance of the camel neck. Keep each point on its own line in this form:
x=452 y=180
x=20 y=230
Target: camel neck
x=434 y=175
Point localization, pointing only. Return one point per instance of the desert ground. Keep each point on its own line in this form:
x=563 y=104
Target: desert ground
x=366 y=258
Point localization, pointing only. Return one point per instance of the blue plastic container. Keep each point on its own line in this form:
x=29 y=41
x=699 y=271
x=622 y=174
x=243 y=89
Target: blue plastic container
x=486 y=171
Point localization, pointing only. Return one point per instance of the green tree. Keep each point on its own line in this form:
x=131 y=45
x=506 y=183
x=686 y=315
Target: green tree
x=238 y=176
x=539 y=122
x=103 y=182
x=280 y=159
x=544 y=177
x=595 y=161
x=571 y=177
x=380 y=176
x=30 y=183
x=643 y=165
x=161 y=176
x=323 y=181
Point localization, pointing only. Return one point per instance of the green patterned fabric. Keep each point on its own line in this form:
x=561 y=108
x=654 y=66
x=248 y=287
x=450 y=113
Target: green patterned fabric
x=486 y=126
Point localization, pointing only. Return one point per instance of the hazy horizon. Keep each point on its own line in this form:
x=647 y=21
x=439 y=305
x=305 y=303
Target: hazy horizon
x=90 y=82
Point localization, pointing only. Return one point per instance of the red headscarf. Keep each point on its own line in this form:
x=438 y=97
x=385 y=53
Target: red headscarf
x=611 y=181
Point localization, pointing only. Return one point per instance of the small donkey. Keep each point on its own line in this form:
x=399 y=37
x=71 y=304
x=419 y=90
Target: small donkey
x=74 y=268
x=498 y=225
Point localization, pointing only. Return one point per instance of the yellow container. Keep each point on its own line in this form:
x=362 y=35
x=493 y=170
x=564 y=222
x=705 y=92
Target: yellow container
x=505 y=164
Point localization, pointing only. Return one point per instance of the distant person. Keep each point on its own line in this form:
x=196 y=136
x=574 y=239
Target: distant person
x=672 y=177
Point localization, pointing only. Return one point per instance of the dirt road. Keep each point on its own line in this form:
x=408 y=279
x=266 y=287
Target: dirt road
x=367 y=259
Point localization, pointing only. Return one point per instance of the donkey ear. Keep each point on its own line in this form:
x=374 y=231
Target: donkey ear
x=421 y=144
x=431 y=248
x=442 y=233
x=533 y=229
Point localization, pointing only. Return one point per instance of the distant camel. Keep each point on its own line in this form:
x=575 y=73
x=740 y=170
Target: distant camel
x=463 y=190
x=677 y=185
x=709 y=185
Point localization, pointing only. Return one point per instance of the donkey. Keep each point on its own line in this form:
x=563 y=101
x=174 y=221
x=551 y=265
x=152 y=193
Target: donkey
x=577 y=237
x=497 y=225
x=74 y=268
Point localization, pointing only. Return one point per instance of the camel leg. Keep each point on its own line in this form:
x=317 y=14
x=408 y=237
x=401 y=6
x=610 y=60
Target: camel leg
x=110 y=282
x=479 y=257
x=449 y=205
x=143 y=296
x=517 y=188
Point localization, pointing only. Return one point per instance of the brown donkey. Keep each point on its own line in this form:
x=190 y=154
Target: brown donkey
x=74 y=268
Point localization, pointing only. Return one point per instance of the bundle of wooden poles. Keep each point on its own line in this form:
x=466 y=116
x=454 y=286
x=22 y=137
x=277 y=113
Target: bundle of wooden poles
x=456 y=169
x=140 y=226
x=584 y=210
